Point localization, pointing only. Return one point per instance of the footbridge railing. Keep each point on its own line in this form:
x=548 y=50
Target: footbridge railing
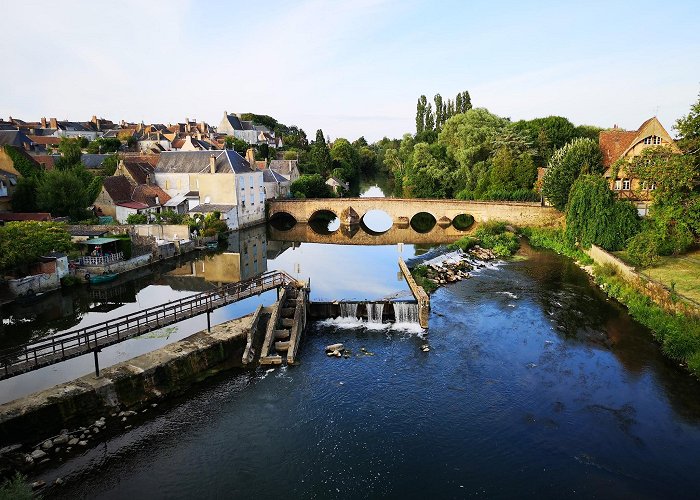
x=57 y=348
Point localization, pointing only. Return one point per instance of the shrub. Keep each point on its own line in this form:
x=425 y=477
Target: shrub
x=137 y=219
x=494 y=235
x=420 y=274
x=16 y=488
x=643 y=249
x=554 y=239
x=464 y=243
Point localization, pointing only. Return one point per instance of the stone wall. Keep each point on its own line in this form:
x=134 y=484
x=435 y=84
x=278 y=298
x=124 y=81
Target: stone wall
x=419 y=293
x=655 y=290
x=161 y=373
x=36 y=283
x=519 y=213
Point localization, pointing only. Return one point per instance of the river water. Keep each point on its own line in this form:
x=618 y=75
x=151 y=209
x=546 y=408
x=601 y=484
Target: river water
x=536 y=385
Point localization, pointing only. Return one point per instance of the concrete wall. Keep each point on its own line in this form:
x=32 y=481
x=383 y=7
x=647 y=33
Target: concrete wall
x=400 y=210
x=418 y=292
x=36 y=283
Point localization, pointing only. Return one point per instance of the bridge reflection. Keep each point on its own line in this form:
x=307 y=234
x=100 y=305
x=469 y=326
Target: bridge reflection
x=356 y=235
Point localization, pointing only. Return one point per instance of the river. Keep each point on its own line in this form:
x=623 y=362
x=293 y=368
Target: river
x=536 y=385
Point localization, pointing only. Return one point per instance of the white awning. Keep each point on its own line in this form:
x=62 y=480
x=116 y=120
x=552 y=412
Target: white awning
x=176 y=200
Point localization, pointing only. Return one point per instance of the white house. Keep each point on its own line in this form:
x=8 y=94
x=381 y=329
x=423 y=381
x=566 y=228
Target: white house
x=222 y=180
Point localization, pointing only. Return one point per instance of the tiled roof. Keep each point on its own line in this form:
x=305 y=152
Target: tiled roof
x=93 y=160
x=235 y=122
x=118 y=188
x=45 y=139
x=284 y=167
x=147 y=194
x=272 y=176
x=46 y=160
x=14 y=138
x=139 y=170
x=207 y=208
x=192 y=162
x=613 y=143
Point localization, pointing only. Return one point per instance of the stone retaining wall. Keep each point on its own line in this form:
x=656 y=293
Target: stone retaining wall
x=656 y=291
x=419 y=293
x=152 y=376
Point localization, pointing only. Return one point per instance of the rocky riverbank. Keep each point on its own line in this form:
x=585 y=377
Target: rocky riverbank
x=454 y=267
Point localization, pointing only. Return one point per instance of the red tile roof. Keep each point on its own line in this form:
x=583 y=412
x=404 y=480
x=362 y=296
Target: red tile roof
x=613 y=143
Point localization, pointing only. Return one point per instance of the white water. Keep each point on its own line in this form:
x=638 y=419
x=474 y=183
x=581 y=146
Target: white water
x=348 y=310
x=374 y=312
x=405 y=312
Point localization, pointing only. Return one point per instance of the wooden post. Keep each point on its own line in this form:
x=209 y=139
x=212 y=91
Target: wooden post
x=208 y=320
x=97 y=363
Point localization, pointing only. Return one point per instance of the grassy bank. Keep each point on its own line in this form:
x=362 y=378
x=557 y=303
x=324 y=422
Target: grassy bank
x=679 y=335
x=553 y=239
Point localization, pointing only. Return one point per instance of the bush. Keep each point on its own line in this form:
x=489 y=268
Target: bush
x=420 y=274
x=553 y=239
x=495 y=236
x=516 y=195
x=643 y=249
x=16 y=488
x=137 y=219
x=464 y=243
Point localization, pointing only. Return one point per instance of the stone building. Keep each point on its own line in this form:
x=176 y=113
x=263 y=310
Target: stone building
x=222 y=180
x=618 y=144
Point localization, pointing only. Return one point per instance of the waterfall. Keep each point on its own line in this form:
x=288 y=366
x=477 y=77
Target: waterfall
x=348 y=310
x=405 y=312
x=374 y=312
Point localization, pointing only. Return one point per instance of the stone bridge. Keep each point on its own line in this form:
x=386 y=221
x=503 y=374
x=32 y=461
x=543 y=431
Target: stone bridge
x=402 y=211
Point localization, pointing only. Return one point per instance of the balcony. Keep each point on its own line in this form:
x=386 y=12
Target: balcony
x=101 y=260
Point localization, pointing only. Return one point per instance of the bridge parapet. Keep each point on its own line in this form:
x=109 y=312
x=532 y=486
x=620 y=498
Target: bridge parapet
x=401 y=209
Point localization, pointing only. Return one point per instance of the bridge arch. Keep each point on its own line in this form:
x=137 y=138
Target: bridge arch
x=376 y=222
x=282 y=221
x=423 y=222
x=324 y=222
x=463 y=222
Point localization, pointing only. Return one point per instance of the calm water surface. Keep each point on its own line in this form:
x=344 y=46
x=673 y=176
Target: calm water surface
x=535 y=386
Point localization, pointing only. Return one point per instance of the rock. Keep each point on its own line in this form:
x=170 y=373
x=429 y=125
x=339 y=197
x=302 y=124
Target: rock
x=57 y=449
x=127 y=427
x=334 y=347
x=64 y=431
x=38 y=454
x=337 y=353
x=38 y=484
x=154 y=405
x=329 y=354
x=99 y=423
x=69 y=449
x=10 y=449
x=123 y=419
x=82 y=443
x=58 y=481
x=82 y=436
x=73 y=441
x=62 y=439
x=96 y=430
x=47 y=445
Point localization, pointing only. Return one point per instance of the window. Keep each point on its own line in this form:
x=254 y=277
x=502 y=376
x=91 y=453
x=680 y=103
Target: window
x=652 y=139
x=262 y=197
x=653 y=186
x=626 y=184
x=251 y=181
x=618 y=185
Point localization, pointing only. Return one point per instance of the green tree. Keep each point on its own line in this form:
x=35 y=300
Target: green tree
x=420 y=114
x=567 y=163
x=22 y=162
x=104 y=145
x=238 y=145
x=68 y=192
x=320 y=157
x=595 y=216
x=688 y=128
x=346 y=157
x=24 y=197
x=137 y=219
x=466 y=101
x=22 y=243
x=109 y=166
x=429 y=118
x=439 y=114
x=311 y=186
x=430 y=175
x=70 y=153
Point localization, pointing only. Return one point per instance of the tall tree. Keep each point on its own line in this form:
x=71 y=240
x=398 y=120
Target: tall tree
x=420 y=114
x=439 y=110
x=429 y=118
x=458 y=103
x=320 y=156
x=466 y=101
x=688 y=128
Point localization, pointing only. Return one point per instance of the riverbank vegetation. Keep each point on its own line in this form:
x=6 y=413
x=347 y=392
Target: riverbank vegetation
x=22 y=243
x=554 y=239
x=678 y=334
x=16 y=488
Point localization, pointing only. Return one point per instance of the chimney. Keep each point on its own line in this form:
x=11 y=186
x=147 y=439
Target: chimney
x=250 y=157
x=43 y=122
x=53 y=123
x=212 y=164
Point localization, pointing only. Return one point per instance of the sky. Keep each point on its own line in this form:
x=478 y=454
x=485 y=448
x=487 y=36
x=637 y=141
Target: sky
x=352 y=68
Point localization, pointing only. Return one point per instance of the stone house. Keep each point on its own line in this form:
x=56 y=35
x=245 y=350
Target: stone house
x=618 y=144
x=286 y=168
x=337 y=185
x=222 y=180
x=276 y=185
x=231 y=124
x=120 y=197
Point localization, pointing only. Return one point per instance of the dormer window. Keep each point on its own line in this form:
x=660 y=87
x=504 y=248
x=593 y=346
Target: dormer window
x=626 y=184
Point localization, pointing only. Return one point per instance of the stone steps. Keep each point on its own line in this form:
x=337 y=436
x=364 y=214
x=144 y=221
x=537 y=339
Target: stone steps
x=282 y=346
x=282 y=334
x=274 y=359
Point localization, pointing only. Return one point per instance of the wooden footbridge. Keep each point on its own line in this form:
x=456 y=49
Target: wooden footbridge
x=61 y=347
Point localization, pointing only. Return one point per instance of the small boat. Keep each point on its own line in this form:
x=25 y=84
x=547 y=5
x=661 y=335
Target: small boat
x=101 y=278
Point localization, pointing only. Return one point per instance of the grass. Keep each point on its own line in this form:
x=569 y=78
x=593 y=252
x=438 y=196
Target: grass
x=553 y=239
x=679 y=273
x=420 y=274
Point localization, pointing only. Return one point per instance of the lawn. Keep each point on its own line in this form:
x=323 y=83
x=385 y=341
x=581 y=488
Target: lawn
x=683 y=270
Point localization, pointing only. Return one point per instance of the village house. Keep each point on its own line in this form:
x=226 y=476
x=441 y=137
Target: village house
x=337 y=185
x=223 y=181
x=276 y=185
x=286 y=168
x=131 y=190
x=231 y=124
x=618 y=144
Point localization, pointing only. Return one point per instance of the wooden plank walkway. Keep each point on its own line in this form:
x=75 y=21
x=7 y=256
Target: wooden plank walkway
x=61 y=347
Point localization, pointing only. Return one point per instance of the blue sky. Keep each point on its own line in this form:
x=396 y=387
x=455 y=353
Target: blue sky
x=351 y=68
